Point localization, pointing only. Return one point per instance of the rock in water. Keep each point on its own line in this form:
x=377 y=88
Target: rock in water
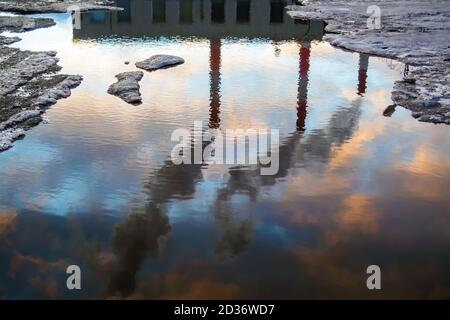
x=159 y=61
x=8 y=40
x=127 y=87
x=389 y=111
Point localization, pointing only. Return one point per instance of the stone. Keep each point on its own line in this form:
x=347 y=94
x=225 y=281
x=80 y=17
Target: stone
x=7 y=137
x=29 y=81
x=55 y=6
x=8 y=40
x=429 y=104
x=20 y=117
x=61 y=90
x=426 y=71
x=389 y=111
x=409 y=80
x=28 y=67
x=159 y=61
x=127 y=87
x=435 y=118
x=23 y=23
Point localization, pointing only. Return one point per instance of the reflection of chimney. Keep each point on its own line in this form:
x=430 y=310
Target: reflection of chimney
x=214 y=78
x=302 y=97
x=362 y=74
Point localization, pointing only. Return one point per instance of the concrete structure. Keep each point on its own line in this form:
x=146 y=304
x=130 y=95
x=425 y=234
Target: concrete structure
x=199 y=18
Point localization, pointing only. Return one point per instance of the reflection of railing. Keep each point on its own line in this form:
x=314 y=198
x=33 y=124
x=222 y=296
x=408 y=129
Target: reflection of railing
x=198 y=18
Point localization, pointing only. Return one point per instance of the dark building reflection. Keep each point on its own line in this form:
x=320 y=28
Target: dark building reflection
x=97 y=17
x=159 y=11
x=217 y=11
x=206 y=19
x=277 y=11
x=124 y=15
x=243 y=11
x=186 y=11
x=362 y=73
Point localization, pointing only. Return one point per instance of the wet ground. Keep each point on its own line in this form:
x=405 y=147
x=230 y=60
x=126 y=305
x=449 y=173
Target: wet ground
x=95 y=187
x=29 y=80
x=52 y=6
x=414 y=32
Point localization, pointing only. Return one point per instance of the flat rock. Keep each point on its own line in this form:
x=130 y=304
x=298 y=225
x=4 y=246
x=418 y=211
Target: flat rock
x=54 y=6
x=22 y=66
x=29 y=82
x=8 y=40
x=7 y=138
x=159 y=61
x=127 y=87
x=59 y=91
x=435 y=118
x=23 y=23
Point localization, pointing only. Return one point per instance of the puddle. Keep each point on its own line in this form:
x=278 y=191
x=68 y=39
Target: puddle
x=95 y=187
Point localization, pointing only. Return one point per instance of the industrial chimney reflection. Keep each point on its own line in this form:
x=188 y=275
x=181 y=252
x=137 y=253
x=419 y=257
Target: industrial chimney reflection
x=214 y=83
x=362 y=74
x=302 y=97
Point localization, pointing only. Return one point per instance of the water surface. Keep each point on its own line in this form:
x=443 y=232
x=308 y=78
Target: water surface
x=95 y=186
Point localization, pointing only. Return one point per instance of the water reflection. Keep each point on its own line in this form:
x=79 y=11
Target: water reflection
x=302 y=103
x=362 y=75
x=211 y=19
x=214 y=74
x=264 y=14
x=135 y=240
x=140 y=236
x=94 y=186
